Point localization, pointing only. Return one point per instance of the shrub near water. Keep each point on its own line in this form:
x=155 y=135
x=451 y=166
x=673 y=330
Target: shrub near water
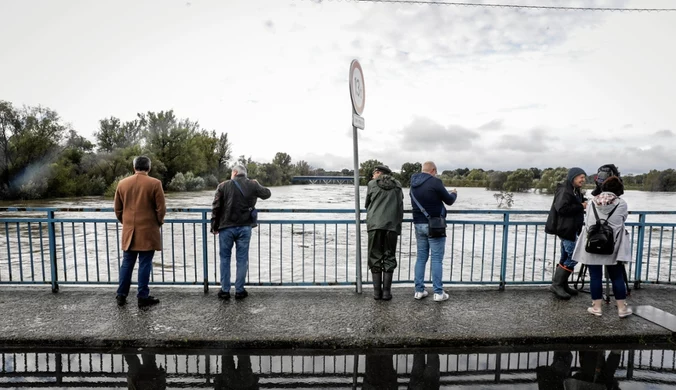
x=187 y=182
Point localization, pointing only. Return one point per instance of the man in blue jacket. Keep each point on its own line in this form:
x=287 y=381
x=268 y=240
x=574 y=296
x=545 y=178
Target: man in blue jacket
x=429 y=193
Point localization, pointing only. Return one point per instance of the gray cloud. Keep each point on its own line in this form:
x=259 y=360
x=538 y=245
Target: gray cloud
x=439 y=36
x=664 y=133
x=630 y=160
x=534 y=142
x=495 y=124
x=328 y=161
x=427 y=135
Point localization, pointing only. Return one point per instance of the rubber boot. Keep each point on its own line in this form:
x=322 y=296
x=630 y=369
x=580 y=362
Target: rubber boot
x=571 y=291
x=387 y=285
x=595 y=309
x=377 y=285
x=557 y=284
x=622 y=309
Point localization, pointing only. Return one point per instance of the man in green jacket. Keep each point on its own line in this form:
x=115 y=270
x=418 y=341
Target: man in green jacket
x=385 y=212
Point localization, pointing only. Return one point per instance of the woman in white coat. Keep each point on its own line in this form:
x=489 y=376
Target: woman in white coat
x=604 y=203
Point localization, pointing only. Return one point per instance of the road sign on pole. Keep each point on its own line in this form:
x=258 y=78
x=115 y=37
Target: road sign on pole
x=357 y=121
x=358 y=97
x=357 y=90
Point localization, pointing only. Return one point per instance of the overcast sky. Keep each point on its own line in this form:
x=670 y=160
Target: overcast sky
x=469 y=87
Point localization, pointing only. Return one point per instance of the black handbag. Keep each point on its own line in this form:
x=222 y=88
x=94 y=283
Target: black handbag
x=436 y=225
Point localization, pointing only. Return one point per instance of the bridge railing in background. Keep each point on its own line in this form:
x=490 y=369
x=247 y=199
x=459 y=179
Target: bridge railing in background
x=305 y=248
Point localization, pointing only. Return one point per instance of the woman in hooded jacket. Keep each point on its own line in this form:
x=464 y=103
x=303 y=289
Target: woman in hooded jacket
x=605 y=203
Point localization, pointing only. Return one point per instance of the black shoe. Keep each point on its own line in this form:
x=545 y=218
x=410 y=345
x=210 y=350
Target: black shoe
x=121 y=300
x=241 y=295
x=223 y=294
x=149 y=301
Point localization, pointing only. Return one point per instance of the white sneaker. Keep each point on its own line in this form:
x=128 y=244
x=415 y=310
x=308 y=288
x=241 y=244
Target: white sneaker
x=421 y=295
x=440 y=297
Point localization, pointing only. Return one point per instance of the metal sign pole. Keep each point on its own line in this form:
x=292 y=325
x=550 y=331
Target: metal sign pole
x=358 y=97
x=357 y=208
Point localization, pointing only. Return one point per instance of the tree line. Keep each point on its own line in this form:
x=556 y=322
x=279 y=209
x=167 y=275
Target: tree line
x=42 y=156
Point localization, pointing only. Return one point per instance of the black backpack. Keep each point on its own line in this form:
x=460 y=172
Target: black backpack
x=600 y=237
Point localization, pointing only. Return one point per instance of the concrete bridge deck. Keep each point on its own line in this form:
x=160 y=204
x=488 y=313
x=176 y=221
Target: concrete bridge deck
x=323 y=318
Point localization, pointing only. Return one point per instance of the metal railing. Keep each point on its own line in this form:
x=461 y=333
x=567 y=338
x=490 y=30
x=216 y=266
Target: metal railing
x=314 y=247
x=37 y=369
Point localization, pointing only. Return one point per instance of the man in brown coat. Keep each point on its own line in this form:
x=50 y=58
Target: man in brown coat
x=140 y=207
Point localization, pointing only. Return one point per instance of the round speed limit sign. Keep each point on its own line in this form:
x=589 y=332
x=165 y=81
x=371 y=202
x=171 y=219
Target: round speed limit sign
x=357 y=91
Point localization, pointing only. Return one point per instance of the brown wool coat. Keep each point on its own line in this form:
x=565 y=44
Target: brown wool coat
x=139 y=206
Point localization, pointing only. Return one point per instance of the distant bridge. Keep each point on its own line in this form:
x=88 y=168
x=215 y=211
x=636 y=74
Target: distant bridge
x=324 y=179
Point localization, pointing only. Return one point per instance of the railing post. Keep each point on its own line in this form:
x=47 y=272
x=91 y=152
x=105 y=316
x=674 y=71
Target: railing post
x=503 y=255
x=205 y=253
x=639 y=251
x=52 y=250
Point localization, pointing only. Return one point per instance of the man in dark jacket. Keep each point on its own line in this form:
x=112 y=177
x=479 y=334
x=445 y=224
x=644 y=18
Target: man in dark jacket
x=428 y=192
x=565 y=220
x=385 y=208
x=232 y=220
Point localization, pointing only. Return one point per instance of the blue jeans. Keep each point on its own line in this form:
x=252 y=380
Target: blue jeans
x=567 y=248
x=239 y=236
x=426 y=245
x=145 y=267
x=616 y=277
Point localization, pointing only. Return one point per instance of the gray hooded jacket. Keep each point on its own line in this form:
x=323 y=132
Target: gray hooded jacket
x=605 y=202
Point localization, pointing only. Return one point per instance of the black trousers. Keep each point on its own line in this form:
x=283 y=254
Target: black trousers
x=382 y=250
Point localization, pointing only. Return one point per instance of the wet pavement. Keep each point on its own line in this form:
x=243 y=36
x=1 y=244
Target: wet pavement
x=324 y=318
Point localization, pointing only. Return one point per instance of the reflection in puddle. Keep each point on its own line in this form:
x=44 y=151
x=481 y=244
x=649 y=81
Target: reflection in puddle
x=156 y=369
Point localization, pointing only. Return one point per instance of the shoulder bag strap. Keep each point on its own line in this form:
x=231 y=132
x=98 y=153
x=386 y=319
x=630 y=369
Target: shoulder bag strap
x=418 y=204
x=239 y=187
x=596 y=214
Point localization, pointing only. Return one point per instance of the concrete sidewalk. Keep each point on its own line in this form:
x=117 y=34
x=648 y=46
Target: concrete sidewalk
x=323 y=318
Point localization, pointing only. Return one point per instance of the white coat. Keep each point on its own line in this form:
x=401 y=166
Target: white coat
x=604 y=203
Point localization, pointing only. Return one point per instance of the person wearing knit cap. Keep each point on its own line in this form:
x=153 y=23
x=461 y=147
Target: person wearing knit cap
x=565 y=220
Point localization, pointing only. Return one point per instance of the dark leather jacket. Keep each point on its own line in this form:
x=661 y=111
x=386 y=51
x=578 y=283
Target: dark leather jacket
x=231 y=208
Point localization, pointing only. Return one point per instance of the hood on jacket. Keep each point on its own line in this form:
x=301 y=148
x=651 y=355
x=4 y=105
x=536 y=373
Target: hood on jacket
x=574 y=172
x=605 y=198
x=386 y=182
x=419 y=178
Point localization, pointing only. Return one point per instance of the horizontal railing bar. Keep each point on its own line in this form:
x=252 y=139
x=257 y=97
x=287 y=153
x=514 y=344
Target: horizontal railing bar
x=329 y=211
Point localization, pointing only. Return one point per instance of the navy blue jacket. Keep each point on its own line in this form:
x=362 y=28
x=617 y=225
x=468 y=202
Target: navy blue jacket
x=431 y=194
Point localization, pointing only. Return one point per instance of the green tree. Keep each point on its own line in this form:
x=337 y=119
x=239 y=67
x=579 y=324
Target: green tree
x=9 y=125
x=536 y=173
x=270 y=174
x=302 y=168
x=113 y=134
x=407 y=170
x=477 y=178
x=496 y=180
x=519 y=181
x=550 y=178
x=223 y=154
x=252 y=167
x=283 y=161
x=660 y=180
x=366 y=169
x=30 y=142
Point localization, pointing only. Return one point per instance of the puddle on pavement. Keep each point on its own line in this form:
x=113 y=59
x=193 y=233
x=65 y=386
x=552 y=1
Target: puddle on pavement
x=306 y=369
